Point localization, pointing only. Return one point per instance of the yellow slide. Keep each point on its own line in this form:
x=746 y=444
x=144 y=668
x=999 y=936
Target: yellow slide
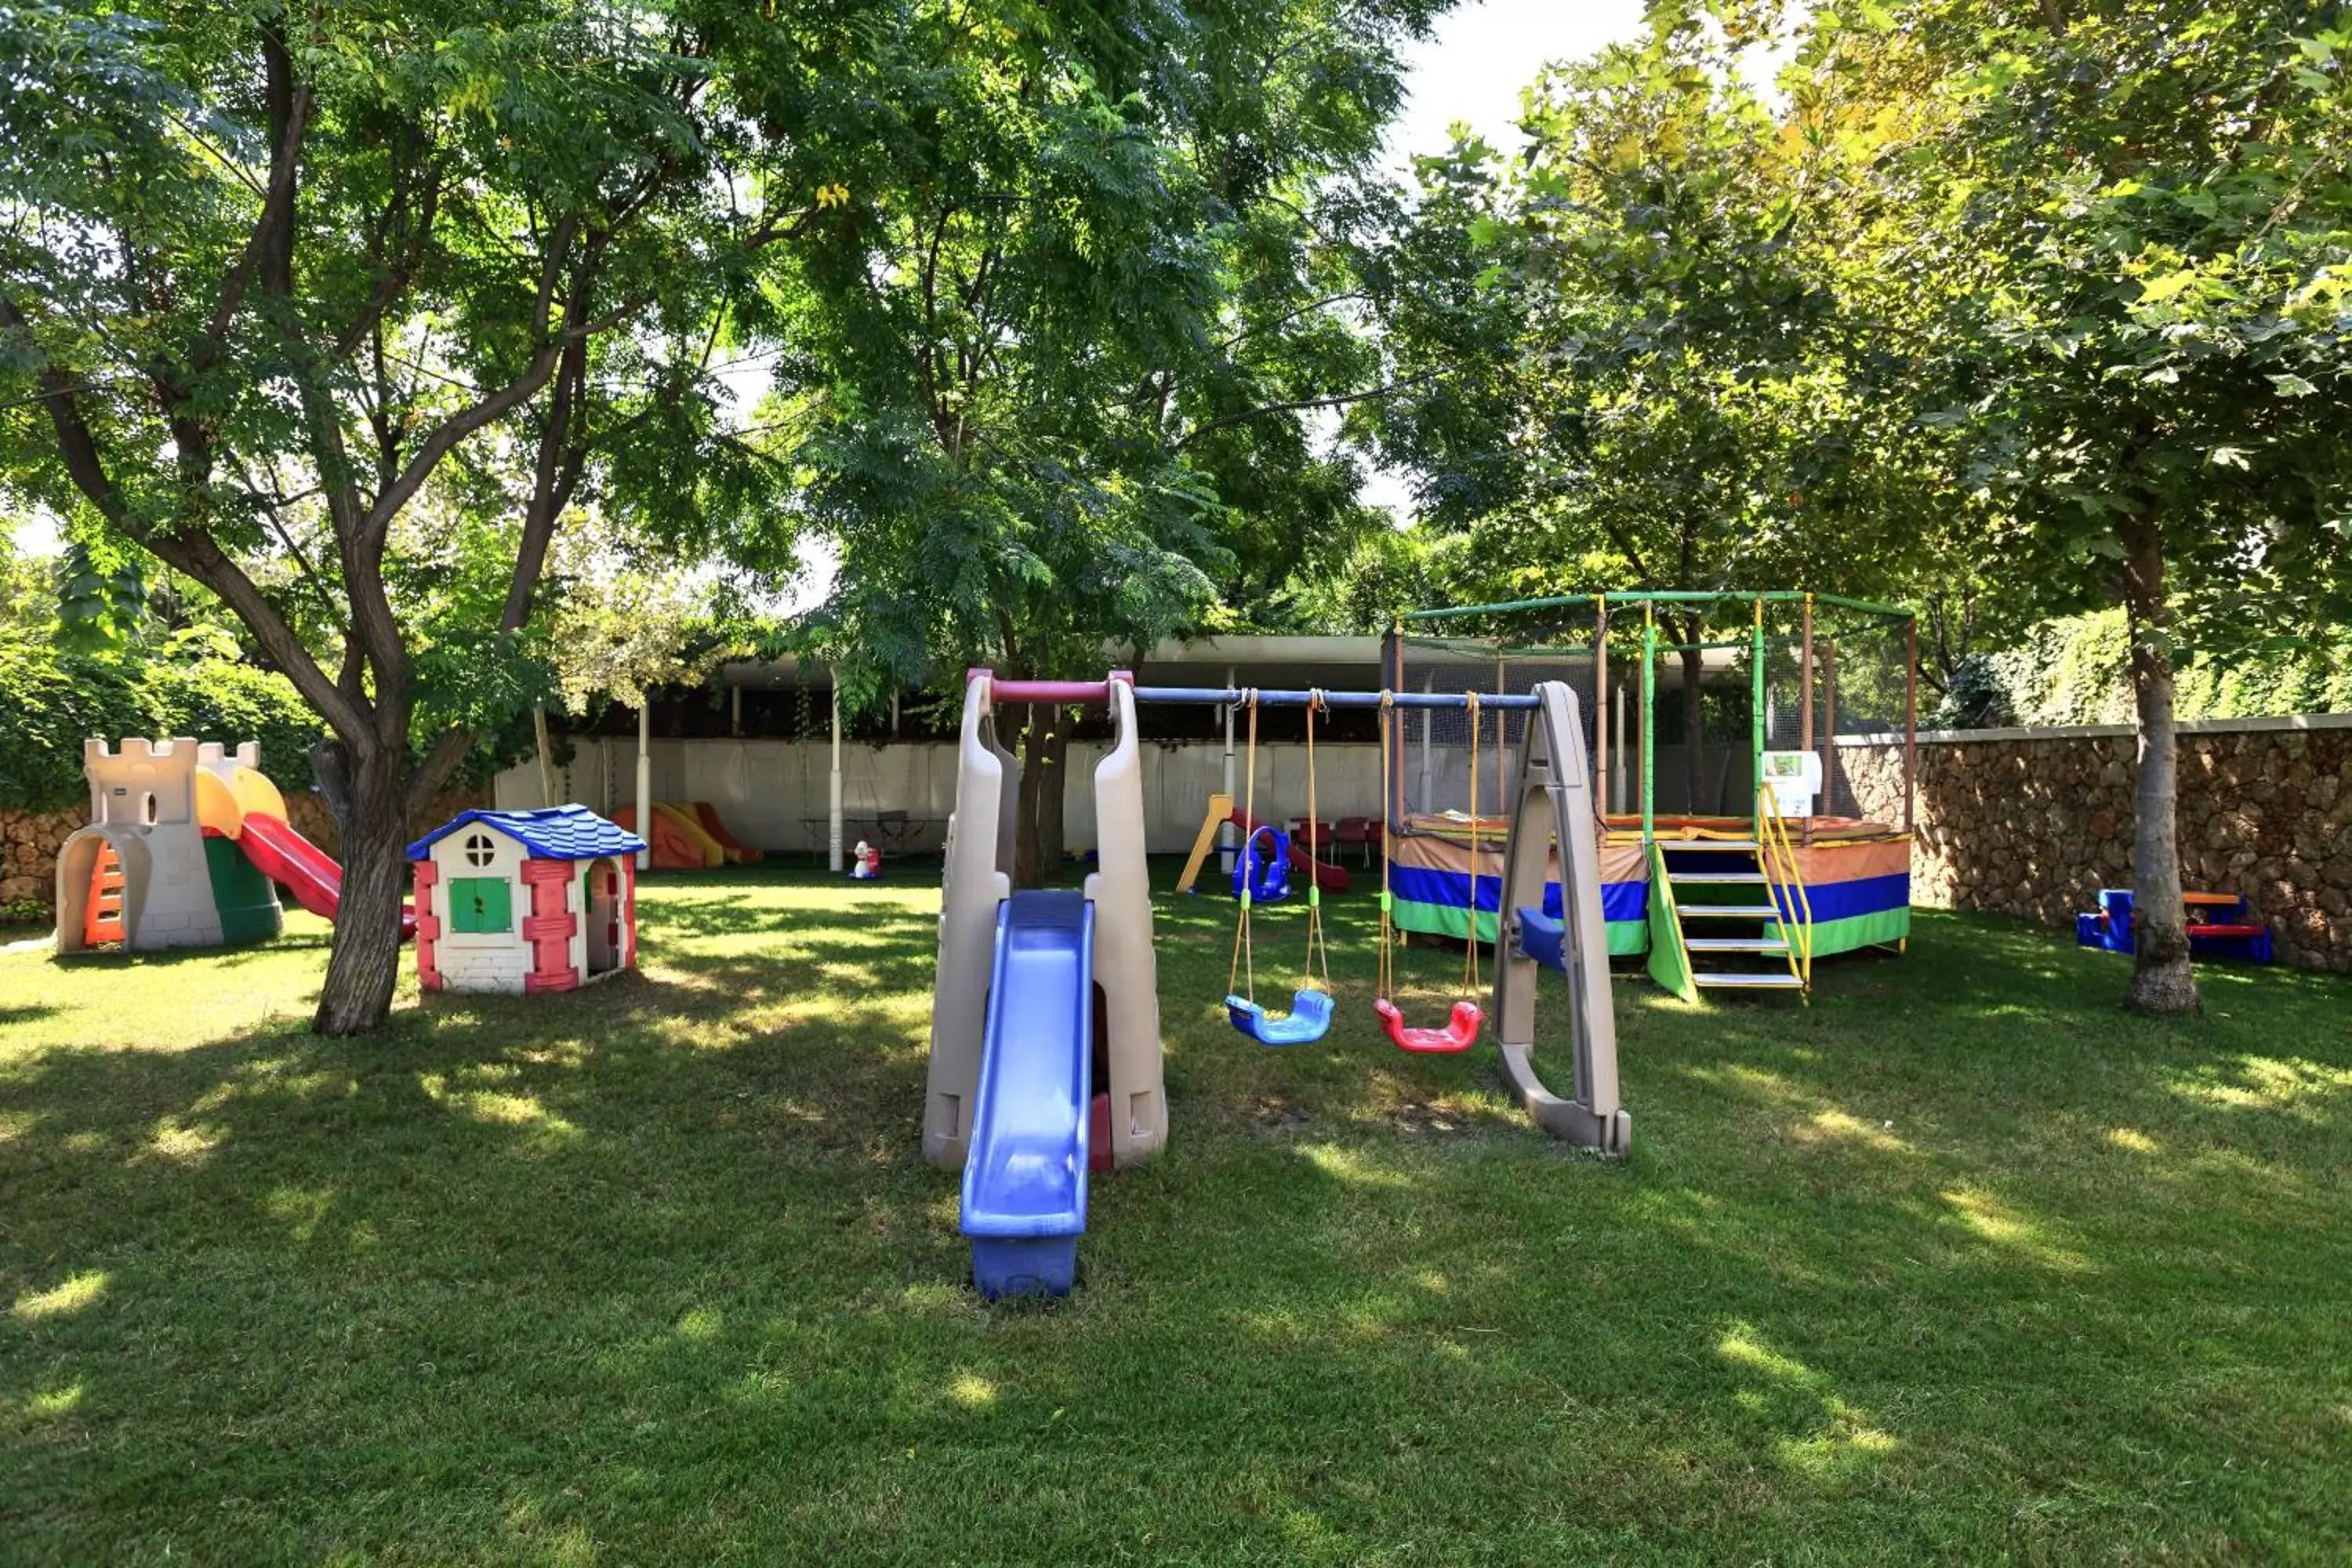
x=690 y=827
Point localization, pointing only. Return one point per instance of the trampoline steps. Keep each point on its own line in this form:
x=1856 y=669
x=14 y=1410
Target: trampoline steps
x=1723 y=846
x=1728 y=911
x=1734 y=944
x=1716 y=879
x=1784 y=981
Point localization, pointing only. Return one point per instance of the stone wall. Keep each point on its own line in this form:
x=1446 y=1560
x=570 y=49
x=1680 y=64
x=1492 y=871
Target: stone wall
x=2034 y=822
x=29 y=840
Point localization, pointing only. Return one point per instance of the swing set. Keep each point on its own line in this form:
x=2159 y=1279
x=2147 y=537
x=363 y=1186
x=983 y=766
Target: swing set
x=1311 y=1004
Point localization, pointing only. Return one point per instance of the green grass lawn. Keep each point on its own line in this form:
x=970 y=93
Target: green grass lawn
x=1960 y=1263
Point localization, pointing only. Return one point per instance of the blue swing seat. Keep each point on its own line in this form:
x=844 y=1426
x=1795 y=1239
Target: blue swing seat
x=1262 y=867
x=1309 y=1020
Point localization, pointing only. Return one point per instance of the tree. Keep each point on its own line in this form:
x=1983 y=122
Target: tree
x=265 y=270
x=1061 y=398
x=1651 y=373
x=2142 y=217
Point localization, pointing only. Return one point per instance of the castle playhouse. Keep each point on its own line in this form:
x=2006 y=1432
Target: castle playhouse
x=162 y=864
x=524 y=901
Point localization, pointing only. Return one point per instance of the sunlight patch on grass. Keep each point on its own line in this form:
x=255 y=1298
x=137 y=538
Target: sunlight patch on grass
x=1354 y=1167
x=1826 y=1127
x=15 y=1124
x=300 y=1211
x=2132 y=1141
x=2269 y=1083
x=184 y=1145
x=1742 y=1348
x=72 y=1296
x=497 y=1108
x=969 y=1391
x=54 y=1403
x=1989 y=1219
x=701 y=1323
x=1848 y=1447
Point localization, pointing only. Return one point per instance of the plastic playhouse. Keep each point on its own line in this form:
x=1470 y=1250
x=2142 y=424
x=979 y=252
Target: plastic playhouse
x=186 y=847
x=2220 y=926
x=525 y=902
x=1045 y=1054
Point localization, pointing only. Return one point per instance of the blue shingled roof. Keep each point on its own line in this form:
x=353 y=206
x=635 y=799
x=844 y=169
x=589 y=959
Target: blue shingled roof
x=558 y=833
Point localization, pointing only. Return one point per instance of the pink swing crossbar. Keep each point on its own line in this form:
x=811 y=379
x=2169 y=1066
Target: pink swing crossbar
x=1461 y=1031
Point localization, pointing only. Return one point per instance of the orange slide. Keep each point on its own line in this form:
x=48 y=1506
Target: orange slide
x=686 y=838
x=708 y=815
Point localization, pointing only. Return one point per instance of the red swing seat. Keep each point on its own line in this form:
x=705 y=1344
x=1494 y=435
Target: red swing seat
x=1461 y=1031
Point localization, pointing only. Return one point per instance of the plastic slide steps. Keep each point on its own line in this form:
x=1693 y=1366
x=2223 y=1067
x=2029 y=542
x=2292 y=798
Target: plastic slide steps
x=1024 y=1178
x=301 y=868
x=708 y=815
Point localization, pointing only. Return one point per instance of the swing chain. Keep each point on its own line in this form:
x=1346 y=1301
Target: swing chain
x=1244 y=959
x=1316 y=943
x=1470 y=952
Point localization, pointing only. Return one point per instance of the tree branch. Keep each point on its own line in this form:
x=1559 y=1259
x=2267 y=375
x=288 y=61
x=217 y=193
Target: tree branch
x=1336 y=400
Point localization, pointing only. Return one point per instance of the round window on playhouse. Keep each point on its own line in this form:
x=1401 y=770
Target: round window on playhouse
x=480 y=850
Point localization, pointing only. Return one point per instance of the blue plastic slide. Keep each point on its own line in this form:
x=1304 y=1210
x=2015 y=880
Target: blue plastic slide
x=1024 y=1178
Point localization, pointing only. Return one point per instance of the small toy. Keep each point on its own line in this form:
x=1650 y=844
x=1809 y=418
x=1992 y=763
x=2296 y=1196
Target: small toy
x=864 y=863
x=525 y=902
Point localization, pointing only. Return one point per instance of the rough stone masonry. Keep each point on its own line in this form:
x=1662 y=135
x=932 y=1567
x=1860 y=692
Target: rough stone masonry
x=2034 y=823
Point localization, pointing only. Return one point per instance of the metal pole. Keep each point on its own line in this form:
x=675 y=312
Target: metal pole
x=1829 y=723
x=1428 y=717
x=1600 y=707
x=894 y=714
x=1649 y=724
x=645 y=801
x=1756 y=713
x=735 y=710
x=833 y=814
x=1502 y=730
x=1617 y=778
x=1225 y=835
x=1805 y=700
x=1911 y=723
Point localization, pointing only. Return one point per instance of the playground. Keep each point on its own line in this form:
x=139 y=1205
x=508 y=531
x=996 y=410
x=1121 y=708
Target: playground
x=656 y=1270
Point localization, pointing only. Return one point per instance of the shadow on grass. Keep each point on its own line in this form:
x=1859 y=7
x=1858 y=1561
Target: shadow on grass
x=657 y=1265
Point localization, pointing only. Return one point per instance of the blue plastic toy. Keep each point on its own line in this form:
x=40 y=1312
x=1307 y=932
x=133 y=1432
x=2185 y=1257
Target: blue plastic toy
x=1262 y=866
x=1309 y=1020
x=1024 y=1179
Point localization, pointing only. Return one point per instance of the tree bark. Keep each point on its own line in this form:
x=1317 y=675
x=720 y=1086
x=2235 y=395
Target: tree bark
x=364 y=965
x=1053 y=794
x=2162 y=979
x=1694 y=724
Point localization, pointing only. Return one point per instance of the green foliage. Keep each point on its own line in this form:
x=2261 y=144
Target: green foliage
x=1060 y=397
x=58 y=696
x=2076 y=669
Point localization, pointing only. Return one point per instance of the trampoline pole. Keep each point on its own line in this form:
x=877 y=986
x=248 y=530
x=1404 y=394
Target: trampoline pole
x=1910 y=722
x=1600 y=711
x=1755 y=722
x=1805 y=701
x=1649 y=725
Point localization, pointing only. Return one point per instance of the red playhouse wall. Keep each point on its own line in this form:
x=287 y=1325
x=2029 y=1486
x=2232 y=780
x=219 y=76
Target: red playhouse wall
x=628 y=911
x=548 y=926
x=428 y=926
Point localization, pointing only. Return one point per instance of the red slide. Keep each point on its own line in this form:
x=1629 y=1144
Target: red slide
x=301 y=868
x=1329 y=878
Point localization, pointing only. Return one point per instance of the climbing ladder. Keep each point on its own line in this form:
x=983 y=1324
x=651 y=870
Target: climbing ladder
x=1736 y=913
x=102 y=921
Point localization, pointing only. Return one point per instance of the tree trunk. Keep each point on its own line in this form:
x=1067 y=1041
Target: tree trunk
x=1694 y=725
x=1053 y=794
x=364 y=963
x=1024 y=835
x=2162 y=979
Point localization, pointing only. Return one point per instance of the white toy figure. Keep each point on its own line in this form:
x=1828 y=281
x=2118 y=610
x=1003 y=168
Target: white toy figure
x=865 y=862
